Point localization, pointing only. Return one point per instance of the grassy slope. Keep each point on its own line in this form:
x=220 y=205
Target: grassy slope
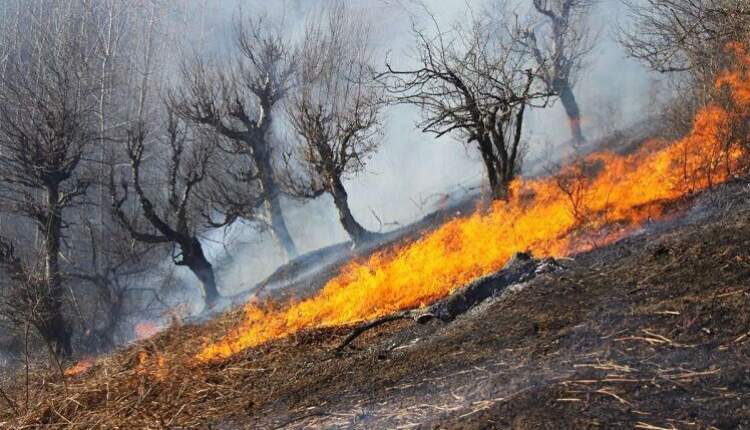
x=651 y=331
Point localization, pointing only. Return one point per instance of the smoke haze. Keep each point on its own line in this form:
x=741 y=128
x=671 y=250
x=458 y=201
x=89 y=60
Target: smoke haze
x=412 y=171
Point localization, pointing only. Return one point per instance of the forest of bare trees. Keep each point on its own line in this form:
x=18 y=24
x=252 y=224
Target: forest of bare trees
x=123 y=142
x=76 y=77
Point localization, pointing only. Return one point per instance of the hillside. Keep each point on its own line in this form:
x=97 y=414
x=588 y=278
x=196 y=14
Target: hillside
x=210 y=214
x=649 y=332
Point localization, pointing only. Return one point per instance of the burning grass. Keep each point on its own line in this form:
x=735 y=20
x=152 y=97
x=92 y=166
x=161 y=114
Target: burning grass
x=175 y=379
x=624 y=192
x=658 y=321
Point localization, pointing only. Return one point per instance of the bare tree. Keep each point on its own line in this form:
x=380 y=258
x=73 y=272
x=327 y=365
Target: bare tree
x=177 y=221
x=239 y=104
x=573 y=178
x=477 y=82
x=334 y=110
x=46 y=127
x=110 y=285
x=25 y=296
x=560 y=43
x=685 y=35
x=694 y=41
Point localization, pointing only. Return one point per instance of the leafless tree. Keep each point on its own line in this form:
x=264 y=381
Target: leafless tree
x=46 y=128
x=238 y=101
x=25 y=291
x=685 y=35
x=334 y=110
x=477 y=82
x=104 y=263
x=690 y=41
x=560 y=43
x=573 y=178
x=109 y=278
x=176 y=221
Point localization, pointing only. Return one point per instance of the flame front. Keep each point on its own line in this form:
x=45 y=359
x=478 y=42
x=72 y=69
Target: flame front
x=590 y=203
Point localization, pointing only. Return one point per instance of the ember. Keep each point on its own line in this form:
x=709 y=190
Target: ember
x=615 y=200
x=80 y=367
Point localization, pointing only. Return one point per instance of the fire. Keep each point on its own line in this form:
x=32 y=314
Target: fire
x=80 y=367
x=590 y=203
x=154 y=365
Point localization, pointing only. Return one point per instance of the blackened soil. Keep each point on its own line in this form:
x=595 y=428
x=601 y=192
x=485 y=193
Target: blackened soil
x=652 y=332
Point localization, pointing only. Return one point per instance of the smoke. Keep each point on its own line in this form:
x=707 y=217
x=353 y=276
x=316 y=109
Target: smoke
x=412 y=171
x=614 y=91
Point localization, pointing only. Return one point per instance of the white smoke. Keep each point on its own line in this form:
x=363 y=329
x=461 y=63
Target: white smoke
x=406 y=178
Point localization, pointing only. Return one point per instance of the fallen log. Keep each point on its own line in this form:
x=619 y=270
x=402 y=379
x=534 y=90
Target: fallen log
x=521 y=268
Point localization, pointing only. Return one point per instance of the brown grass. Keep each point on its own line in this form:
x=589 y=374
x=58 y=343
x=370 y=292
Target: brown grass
x=650 y=333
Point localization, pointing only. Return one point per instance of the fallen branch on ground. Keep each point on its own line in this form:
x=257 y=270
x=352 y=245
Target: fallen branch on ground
x=521 y=268
x=371 y=325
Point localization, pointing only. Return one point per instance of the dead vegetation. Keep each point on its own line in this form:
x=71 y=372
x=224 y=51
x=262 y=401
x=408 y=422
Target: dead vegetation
x=651 y=332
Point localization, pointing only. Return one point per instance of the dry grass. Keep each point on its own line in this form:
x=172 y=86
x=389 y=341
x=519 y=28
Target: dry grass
x=631 y=336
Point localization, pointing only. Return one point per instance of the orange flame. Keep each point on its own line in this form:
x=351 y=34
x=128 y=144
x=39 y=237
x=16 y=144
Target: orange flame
x=80 y=367
x=154 y=365
x=611 y=200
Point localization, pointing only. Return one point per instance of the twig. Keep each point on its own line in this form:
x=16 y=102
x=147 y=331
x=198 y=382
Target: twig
x=58 y=364
x=646 y=426
x=300 y=418
x=606 y=366
x=611 y=394
x=26 y=362
x=357 y=332
x=667 y=313
x=691 y=375
x=654 y=339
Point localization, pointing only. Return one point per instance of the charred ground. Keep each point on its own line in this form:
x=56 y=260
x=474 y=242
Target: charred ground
x=650 y=332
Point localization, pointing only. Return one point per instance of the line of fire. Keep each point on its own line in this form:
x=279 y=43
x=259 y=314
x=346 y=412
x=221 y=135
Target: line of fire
x=319 y=214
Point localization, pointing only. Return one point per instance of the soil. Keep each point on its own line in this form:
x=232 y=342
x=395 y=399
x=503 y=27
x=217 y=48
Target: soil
x=652 y=332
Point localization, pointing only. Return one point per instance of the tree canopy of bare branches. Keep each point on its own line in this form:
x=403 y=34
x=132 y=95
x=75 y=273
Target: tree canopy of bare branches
x=685 y=35
x=475 y=81
x=177 y=220
x=239 y=104
x=46 y=128
x=335 y=110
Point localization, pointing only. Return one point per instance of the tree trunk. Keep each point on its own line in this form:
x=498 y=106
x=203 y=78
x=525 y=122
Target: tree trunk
x=485 y=148
x=52 y=324
x=501 y=190
x=356 y=232
x=273 y=206
x=573 y=112
x=278 y=226
x=196 y=261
